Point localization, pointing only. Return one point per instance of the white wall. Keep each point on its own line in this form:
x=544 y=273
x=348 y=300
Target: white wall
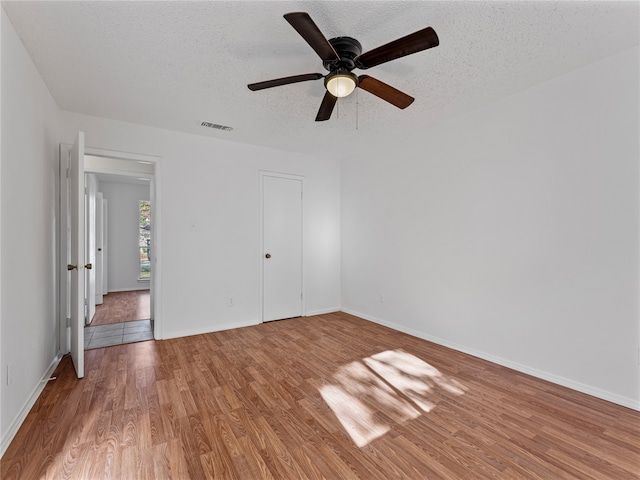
x=216 y=184
x=91 y=188
x=511 y=232
x=213 y=182
x=123 y=258
x=28 y=329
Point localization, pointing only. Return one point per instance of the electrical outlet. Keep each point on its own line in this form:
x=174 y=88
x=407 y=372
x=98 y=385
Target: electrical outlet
x=231 y=302
x=381 y=298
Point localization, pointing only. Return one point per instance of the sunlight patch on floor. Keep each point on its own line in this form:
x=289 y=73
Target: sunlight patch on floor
x=369 y=395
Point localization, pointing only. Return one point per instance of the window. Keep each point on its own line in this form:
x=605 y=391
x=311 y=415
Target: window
x=144 y=242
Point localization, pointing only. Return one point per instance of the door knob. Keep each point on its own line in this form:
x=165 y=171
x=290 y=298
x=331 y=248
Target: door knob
x=88 y=266
x=71 y=267
x=268 y=255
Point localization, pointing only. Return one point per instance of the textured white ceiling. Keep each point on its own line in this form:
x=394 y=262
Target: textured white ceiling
x=176 y=64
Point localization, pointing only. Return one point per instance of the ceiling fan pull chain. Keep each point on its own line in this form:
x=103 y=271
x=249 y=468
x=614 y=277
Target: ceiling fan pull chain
x=357 y=104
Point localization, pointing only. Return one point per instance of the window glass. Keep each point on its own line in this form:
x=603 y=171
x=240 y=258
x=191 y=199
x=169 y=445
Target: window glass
x=144 y=242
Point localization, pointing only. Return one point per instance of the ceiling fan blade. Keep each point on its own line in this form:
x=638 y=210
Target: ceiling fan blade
x=303 y=24
x=284 y=81
x=326 y=107
x=384 y=91
x=413 y=43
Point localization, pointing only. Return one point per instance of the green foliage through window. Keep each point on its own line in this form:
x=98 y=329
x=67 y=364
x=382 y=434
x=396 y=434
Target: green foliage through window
x=144 y=242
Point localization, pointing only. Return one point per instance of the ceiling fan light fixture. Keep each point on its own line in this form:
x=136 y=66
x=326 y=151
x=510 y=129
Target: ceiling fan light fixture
x=341 y=83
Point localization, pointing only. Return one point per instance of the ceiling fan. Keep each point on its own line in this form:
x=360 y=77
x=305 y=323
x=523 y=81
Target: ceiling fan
x=341 y=55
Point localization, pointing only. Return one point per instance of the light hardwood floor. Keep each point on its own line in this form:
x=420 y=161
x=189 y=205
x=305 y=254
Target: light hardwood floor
x=331 y=396
x=118 y=307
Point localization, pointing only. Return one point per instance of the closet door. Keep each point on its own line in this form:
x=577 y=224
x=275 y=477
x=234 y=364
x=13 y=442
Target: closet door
x=282 y=243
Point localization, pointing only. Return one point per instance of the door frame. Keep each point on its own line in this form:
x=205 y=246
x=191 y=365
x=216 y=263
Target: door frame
x=155 y=189
x=289 y=176
x=99 y=294
x=90 y=190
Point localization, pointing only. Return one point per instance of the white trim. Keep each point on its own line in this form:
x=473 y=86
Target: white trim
x=558 y=380
x=27 y=406
x=63 y=226
x=132 y=289
x=155 y=181
x=156 y=253
x=137 y=157
x=209 y=329
x=120 y=167
x=323 y=311
x=290 y=176
x=156 y=200
x=2 y=378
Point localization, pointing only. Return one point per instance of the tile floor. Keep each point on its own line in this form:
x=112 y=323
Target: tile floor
x=117 y=334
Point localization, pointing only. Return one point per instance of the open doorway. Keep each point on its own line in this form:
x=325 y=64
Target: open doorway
x=75 y=263
x=119 y=233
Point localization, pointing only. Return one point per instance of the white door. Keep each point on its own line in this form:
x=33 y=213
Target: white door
x=90 y=187
x=77 y=263
x=99 y=247
x=105 y=244
x=282 y=242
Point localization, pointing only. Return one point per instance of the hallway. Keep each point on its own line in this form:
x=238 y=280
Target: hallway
x=123 y=317
x=118 y=307
x=117 y=334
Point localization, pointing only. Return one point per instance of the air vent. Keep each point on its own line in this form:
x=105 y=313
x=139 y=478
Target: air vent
x=215 y=125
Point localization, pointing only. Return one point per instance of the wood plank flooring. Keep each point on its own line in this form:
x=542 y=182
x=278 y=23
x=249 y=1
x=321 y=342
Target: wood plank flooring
x=331 y=396
x=118 y=307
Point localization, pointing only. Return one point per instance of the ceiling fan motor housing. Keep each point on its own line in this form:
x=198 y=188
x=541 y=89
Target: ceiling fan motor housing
x=347 y=49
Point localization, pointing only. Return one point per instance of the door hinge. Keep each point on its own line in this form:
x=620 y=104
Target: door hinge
x=68 y=322
x=68 y=173
x=86 y=190
x=301 y=296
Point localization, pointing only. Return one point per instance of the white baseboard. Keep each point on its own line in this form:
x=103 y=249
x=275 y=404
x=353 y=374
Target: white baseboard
x=209 y=329
x=26 y=408
x=551 y=377
x=322 y=312
x=131 y=289
x=230 y=326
